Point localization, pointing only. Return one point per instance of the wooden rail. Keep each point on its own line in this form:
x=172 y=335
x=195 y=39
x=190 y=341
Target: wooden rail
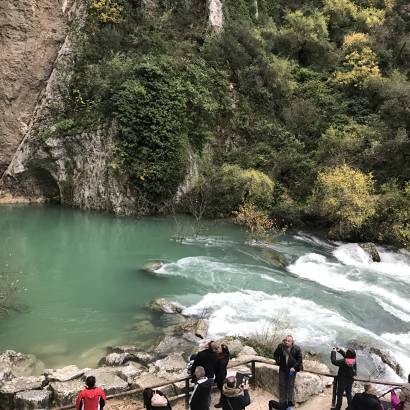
x=252 y=381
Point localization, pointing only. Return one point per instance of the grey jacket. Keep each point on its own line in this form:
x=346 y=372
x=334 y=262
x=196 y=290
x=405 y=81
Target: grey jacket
x=405 y=396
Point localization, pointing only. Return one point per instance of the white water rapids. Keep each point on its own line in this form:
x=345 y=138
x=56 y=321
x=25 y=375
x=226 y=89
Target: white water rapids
x=328 y=294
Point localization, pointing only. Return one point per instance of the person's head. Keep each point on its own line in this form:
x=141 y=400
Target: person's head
x=224 y=349
x=408 y=378
x=231 y=381
x=369 y=389
x=90 y=382
x=350 y=354
x=213 y=346
x=147 y=396
x=288 y=341
x=199 y=372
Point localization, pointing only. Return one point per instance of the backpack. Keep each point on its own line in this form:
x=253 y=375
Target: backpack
x=158 y=400
x=395 y=401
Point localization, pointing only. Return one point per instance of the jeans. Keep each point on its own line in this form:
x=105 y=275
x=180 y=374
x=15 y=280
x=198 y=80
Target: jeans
x=341 y=388
x=286 y=387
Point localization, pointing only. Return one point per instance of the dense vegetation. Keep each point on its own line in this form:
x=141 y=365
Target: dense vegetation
x=301 y=109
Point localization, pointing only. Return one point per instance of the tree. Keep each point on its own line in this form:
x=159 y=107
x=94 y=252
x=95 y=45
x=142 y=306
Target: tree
x=344 y=196
x=107 y=11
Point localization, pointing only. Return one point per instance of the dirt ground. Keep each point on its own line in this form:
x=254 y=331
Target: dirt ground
x=259 y=401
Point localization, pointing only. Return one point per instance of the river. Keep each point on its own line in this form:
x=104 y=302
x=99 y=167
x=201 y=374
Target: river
x=82 y=286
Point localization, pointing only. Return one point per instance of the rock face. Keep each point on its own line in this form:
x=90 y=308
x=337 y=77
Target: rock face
x=371 y=249
x=32 y=399
x=216 y=17
x=19 y=384
x=31 y=36
x=64 y=393
x=64 y=374
x=14 y=364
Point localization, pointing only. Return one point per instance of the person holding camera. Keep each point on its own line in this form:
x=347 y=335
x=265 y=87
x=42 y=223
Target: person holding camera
x=235 y=397
x=288 y=357
x=345 y=375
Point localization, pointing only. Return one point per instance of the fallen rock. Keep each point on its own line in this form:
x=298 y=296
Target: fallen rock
x=186 y=343
x=370 y=248
x=198 y=327
x=116 y=359
x=165 y=306
x=137 y=356
x=65 y=393
x=248 y=351
x=108 y=380
x=64 y=374
x=129 y=372
x=153 y=266
x=16 y=385
x=173 y=363
x=152 y=379
x=19 y=364
x=32 y=399
x=5 y=376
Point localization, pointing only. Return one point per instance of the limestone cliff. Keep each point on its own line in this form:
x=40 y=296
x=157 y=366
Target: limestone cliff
x=31 y=35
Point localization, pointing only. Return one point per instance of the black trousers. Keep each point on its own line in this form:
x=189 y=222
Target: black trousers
x=341 y=388
x=286 y=387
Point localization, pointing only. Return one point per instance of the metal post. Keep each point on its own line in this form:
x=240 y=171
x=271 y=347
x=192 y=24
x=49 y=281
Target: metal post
x=253 y=369
x=334 y=392
x=187 y=393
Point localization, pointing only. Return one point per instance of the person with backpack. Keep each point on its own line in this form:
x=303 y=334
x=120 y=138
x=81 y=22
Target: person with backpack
x=155 y=400
x=201 y=395
x=367 y=400
x=288 y=357
x=345 y=376
x=221 y=370
x=92 y=397
x=405 y=395
x=235 y=397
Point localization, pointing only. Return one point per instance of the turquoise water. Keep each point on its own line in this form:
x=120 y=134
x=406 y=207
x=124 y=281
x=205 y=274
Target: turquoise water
x=84 y=289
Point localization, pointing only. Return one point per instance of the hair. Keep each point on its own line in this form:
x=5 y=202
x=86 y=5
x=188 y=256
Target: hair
x=231 y=381
x=408 y=378
x=350 y=354
x=213 y=346
x=368 y=387
x=199 y=372
x=90 y=382
x=147 y=396
x=225 y=349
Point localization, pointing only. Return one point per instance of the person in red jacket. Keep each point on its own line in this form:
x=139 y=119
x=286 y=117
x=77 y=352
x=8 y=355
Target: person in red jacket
x=91 y=398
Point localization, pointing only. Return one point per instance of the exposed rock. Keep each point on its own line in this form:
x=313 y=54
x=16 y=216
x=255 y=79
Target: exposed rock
x=66 y=392
x=5 y=376
x=64 y=374
x=153 y=266
x=19 y=364
x=32 y=399
x=10 y=388
x=198 y=327
x=152 y=379
x=315 y=366
x=31 y=36
x=216 y=16
x=306 y=384
x=116 y=359
x=186 y=343
x=129 y=372
x=248 y=351
x=108 y=379
x=235 y=346
x=165 y=306
x=371 y=249
x=172 y=363
x=137 y=356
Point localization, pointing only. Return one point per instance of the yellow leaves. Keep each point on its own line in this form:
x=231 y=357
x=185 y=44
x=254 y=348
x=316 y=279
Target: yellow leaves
x=354 y=40
x=345 y=7
x=389 y=4
x=371 y=17
x=107 y=11
x=345 y=195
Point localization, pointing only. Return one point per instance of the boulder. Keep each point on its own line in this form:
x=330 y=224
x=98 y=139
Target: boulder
x=186 y=343
x=16 y=385
x=175 y=362
x=5 y=376
x=235 y=346
x=198 y=327
x=165 y=306
x=153 y=266
x=64 y=374
x=116 y=359
x=65 y=393
x=129 y=372
x=19 y=364
x=137 y=356
x=370 y=248
x=248 y=351
x=108 y=379
x=316 y=366
x=32 y=399
x=153 y=379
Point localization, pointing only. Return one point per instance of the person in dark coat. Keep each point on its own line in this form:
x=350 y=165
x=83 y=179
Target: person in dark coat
x=367 y=400
x=208 y=359
x=147 y=395
x=201 y=395
x=233 y=397
x=220 y=371
x=345 y=376
x=288 y=357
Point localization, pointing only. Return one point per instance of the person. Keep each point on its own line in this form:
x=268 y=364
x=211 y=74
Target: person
x=208 y=359
x=345 y=376
x=367 y=400
x=288 y=357
x=201 y=395
x=155 y=399
x=92 y=397
x=235 y=397
x=405 y=394
x=220 y=371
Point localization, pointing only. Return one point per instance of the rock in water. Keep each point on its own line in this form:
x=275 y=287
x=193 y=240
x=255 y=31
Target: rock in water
x=153 y=266
x=370 y=248
x=165 y=306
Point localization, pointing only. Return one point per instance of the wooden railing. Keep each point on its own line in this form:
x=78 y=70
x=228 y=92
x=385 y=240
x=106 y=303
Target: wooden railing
x=252 y=362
